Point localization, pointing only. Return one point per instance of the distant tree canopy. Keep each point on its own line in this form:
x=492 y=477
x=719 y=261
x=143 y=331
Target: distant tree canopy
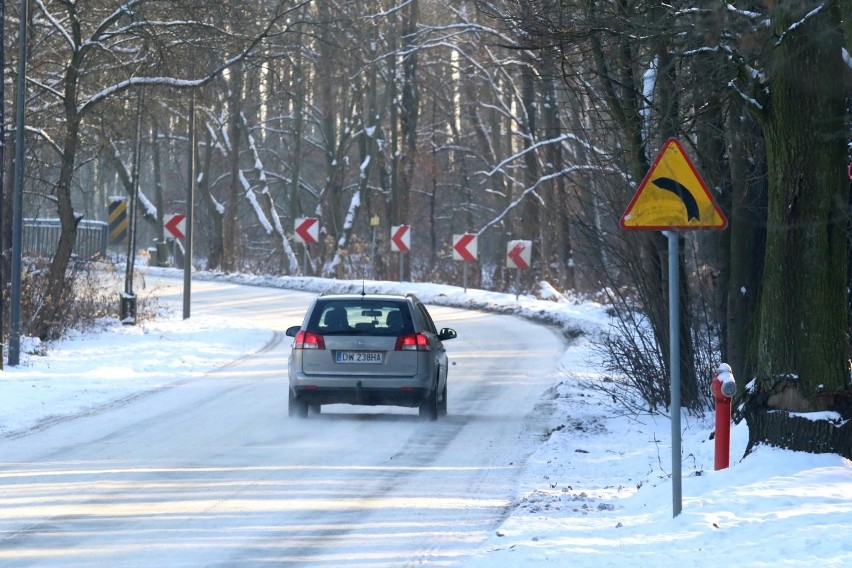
x=528 y=120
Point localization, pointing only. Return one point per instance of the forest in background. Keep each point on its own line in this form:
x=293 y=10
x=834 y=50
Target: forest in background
x=528 y=120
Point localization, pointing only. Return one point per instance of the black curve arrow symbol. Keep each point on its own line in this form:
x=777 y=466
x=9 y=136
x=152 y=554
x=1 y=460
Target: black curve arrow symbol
x=688 y=200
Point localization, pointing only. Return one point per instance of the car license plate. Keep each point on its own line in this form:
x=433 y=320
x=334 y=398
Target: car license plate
x=359 y=357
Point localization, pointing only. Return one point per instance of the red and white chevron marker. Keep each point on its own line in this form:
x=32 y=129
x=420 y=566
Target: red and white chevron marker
x=175 y=224
x=307 y=230
x=518 y=254
x=464 y=247
x=401 y=238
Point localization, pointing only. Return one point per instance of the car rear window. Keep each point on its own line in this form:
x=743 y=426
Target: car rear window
x=360 y=317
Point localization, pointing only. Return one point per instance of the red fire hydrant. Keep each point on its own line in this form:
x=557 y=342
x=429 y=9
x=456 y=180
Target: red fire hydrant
x=724 y=388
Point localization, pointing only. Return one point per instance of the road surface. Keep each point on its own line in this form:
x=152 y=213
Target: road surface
x=212 y=472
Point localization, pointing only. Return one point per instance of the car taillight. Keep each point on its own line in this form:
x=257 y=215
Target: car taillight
x=413 y=342
x=308 y=340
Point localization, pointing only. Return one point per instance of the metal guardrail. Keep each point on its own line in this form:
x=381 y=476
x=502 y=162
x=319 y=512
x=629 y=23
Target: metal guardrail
x=41 y=236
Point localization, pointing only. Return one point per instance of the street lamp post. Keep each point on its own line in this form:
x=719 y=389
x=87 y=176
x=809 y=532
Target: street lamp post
x=2 y=176
x=17 y=213
x=190 y=203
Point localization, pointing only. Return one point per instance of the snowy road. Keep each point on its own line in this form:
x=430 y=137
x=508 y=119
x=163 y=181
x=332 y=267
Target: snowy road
x=211 y=471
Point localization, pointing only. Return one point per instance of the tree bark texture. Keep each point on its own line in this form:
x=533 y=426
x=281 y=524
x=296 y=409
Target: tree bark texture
x=803 y=347
x=786 y=430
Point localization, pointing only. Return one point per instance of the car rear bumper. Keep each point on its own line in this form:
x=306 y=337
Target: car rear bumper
x=361 y=395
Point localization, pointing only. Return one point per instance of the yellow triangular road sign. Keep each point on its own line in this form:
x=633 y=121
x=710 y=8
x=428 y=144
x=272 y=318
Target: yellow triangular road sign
x=673 y=196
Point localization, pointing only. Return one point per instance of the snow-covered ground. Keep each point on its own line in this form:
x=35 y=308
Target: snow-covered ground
x=596 y=489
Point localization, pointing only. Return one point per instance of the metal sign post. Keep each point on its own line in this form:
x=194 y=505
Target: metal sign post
x=517 y=284
x=2 y=173
x=674 y=363
x=374 y=225
x=673 y=197
x=304 y=259
x=188 y=220
x=18 y=197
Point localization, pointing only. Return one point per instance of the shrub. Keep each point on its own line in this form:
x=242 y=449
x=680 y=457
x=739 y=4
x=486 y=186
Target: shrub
x=93 y=294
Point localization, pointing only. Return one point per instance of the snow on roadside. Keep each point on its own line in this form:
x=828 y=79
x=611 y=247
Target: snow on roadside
x=597 y=492
x=111 y=361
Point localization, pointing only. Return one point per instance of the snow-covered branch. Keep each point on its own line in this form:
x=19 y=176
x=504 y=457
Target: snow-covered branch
x=46 y=137
x=57 y=25
x=800 y=22
x=267 y=194
x=531 y=148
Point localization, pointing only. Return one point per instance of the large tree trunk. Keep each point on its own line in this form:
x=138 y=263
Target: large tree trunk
x=803 y=345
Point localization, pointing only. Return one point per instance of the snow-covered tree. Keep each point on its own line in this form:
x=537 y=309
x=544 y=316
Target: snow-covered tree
x=88 y=55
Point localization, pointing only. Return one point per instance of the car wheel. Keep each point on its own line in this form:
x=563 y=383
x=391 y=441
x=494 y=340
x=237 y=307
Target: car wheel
x=429 y=408
x=316 y=408
x=296 y=408
x=442 y=404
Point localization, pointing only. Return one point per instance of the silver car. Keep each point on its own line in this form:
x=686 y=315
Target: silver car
x=368 y=349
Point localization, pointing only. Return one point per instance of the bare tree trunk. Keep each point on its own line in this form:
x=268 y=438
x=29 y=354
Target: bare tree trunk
x=747 y=229
x=215 y=211
x=56 y=278
x=397 y=212
x=231 y=232
x=502 y=143
x=559 y=250
x=669 y=102
x=531 y=221
x=408 y=115
x=158 y=180
x=298 y=112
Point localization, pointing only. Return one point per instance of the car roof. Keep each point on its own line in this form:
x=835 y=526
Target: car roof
x=352 y=296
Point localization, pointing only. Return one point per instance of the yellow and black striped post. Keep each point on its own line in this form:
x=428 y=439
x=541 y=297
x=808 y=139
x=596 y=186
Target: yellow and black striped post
x=117 y=219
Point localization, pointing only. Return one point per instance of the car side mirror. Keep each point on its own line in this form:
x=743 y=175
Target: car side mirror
x=447 y=333
x=292 y=331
